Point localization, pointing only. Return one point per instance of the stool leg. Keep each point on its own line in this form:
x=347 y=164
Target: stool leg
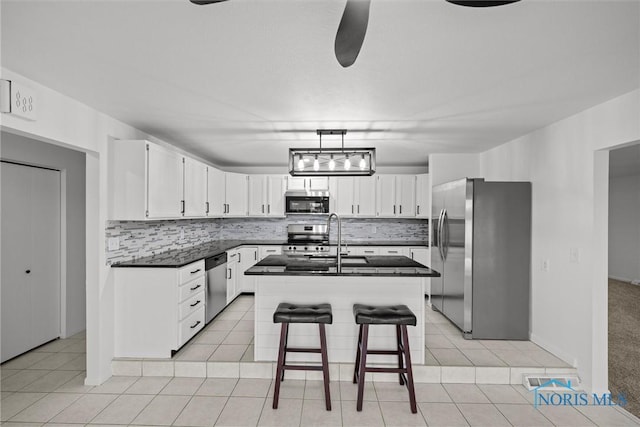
x=284 y=359
x=407 y=355
x=362 y=366
x=399 y=342
x=284 y=331
x=355 y=369
x=325 y=365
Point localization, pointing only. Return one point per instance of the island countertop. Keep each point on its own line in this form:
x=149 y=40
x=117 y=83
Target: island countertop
x=377 y=265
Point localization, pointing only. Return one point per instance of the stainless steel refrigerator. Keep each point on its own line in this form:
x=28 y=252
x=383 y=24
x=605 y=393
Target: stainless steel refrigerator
x=481 y=245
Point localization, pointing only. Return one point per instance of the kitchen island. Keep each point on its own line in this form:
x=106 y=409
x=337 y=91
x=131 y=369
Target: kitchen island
x=375 y=280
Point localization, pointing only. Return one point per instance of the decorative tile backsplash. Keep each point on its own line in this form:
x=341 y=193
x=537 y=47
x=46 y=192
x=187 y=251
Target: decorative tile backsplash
x=144 y=238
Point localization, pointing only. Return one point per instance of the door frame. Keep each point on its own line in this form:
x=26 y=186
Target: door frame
x=62 y=326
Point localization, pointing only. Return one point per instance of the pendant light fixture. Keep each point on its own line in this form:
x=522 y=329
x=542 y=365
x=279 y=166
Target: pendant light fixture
x=332 y=161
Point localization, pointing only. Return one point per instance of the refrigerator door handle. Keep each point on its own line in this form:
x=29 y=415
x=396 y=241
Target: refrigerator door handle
x=439 y=234
x=446 y=237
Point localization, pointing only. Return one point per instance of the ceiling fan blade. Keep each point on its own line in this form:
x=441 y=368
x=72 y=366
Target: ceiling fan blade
x=482 y=3
x=351 y=31
x=205 y=2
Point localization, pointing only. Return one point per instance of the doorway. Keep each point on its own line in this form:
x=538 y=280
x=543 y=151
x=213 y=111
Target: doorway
x=31 y=248
x=624 y=276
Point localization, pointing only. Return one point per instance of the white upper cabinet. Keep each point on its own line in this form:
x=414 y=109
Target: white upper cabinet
x=195 y=188
x=165 y=183
x=236 y=194
x=216 y=201
x=354 y=196
x=316 y=183
x=266 y=195
x=423 y=195
x=396 y=196
x=275 y=195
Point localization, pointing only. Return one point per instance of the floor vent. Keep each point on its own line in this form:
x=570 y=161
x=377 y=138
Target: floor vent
x=549 y=383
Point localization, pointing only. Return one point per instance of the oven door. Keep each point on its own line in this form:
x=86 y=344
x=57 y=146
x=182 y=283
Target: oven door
x=306 y=205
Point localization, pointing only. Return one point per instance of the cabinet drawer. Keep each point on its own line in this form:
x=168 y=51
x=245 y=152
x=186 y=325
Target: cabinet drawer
x=190 y=305
x=392 y=250
x=190 y=289
x=367 y=251
x=190 y=326
x=191 y=271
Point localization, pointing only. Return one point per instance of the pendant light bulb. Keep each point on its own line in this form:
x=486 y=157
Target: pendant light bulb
x=316 y=164
x=300 y=163
x=363 y=163
x=347 y=163
x=332 y=163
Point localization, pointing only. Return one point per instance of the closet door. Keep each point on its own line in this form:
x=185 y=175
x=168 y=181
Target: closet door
x=30 y=287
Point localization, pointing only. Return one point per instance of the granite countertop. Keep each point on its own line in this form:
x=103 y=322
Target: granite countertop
x=180 y=257
x=378 y=265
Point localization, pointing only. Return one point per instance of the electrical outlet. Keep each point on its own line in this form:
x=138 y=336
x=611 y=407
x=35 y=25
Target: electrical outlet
x=181 y=234
x=113 y=243
x=574 y=255
x=18 y=100
x=374 y=229
x=544 y=266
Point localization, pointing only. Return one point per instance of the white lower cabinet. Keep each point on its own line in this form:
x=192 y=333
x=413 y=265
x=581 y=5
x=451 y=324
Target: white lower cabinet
x=157 y=310
x=233 y=257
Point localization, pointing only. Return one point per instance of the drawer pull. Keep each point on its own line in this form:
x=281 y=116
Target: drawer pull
x=195 y=324
x=195 y=303
x=195 y=287
x=195 y=271
x=393 y=252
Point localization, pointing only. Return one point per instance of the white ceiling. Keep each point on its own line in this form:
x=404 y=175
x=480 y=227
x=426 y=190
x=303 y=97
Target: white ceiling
x=240 y=82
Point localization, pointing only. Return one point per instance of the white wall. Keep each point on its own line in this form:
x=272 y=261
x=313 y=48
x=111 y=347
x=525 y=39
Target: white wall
x=26 y=150
x=569 y=178
x=624 y=227
x=69 y=123
x=450 y=167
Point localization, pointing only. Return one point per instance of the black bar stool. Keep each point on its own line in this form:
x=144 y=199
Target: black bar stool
x=296 y=313
x=400 y=316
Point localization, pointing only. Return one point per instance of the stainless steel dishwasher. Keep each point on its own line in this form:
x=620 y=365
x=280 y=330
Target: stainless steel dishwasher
x=216 y=295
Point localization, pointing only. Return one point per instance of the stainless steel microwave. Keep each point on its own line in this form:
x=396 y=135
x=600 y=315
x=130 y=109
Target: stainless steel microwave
x=306 y=203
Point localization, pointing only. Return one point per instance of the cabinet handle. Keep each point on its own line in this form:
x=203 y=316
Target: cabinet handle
x=418 y=208
x=394 y=209
x=255 y=255
x=28 y=271
x=262 y=208
x=195 y=287
x=352 y=209
x=229 y=277
x=207 y=205
x=268 y=209
x=411 y=255
x=195 y=271
x=358 y=208
x=239 y=257
x=195 y=303
x=182 y=207
x=195 y=324
x=392 y=252
x=400 y=209
x=368 y=252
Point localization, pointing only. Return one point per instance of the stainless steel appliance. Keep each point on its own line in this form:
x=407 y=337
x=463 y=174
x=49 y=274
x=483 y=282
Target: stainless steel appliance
x=481 y=244
x=306 y=239
x=306 y=202
x=216 y=293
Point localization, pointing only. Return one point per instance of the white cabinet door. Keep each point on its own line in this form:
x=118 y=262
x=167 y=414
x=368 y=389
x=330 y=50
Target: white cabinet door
x=423 y=195
x=345 y=205
x=257 y=195
x=318 y=183
x=406 y=195
x=275 y=195
x=365 y=195
x=236 y=194
x=216 y=199
x=232 y=275
x=296 y=183
x=386 y=195
x=195 y=188
x=164 y=182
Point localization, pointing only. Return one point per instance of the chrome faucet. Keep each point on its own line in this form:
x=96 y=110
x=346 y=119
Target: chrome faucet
x=339 y=251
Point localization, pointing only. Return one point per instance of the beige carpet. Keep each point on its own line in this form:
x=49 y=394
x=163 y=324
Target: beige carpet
x=624 y=343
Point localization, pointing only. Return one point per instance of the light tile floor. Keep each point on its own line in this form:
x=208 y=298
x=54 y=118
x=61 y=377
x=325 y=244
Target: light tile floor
x=229 y=338
x=46 y=387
